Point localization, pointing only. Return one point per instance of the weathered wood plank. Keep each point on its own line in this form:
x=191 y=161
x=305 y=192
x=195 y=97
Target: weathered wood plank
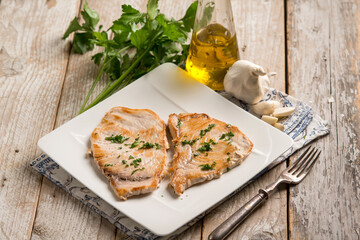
x=260 y=32
x=324 y=39
x=32 y=67
x=70 y=219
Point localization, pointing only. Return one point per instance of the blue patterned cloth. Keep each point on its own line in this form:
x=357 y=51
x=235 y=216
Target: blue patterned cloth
x=303 y=126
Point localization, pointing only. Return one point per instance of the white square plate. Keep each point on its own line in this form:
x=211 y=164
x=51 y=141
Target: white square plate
x=165 y=90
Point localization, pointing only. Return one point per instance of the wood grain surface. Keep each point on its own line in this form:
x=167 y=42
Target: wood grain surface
x=33 y=63
x=327 y=34
x=70 y=218
x=314 y=46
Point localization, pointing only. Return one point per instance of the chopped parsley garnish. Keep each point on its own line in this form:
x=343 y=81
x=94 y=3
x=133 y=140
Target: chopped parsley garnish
x=135 y=162
x=204 y=131
x=135 y=143
x=207 y=166
x=206 y=154
x=123 y=161
x=228 y=153
x=228 y=159
x=120 y=147
x=228 y=169
x=191 y=142
x=196 y=154
x=139 y=169
x=206 y=146
x=228 y=125
x=117 y=139
x=131 y=157
x=227 y=136
x=118 y=156
x=179 y=124
x=147 y=145
x=212 y=142
x=127 y=165
x=108 y=165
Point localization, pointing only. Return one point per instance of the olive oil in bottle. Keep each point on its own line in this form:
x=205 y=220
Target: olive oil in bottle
x=213 y=50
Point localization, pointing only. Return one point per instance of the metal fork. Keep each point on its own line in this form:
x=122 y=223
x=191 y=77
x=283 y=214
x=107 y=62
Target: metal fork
x=294 y=174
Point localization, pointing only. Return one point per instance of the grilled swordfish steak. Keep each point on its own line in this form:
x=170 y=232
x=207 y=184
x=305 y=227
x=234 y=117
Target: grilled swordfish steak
x=129 y=147
x=204 y=149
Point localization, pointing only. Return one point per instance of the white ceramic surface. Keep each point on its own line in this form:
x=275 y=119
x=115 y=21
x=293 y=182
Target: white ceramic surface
x=165 y=90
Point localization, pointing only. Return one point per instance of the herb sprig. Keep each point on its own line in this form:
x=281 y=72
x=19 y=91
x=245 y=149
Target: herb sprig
x=151 y=36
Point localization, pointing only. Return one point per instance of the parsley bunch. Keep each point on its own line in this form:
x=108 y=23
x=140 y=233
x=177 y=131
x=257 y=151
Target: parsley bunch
x=135 y=44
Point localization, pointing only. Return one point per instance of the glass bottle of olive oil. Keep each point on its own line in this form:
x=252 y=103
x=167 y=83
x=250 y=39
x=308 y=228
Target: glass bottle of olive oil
x=213 y=47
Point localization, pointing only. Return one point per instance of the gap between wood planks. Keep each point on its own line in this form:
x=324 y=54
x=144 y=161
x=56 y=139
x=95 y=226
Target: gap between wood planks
x=286 y=91
x=57 y=110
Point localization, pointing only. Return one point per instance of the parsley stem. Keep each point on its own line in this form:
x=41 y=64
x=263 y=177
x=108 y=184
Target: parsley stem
x=106 y=60
x=94 y=84
x=125 y=82
x=118 y=81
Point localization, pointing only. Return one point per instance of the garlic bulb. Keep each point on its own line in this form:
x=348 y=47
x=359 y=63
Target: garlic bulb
x=246 y=81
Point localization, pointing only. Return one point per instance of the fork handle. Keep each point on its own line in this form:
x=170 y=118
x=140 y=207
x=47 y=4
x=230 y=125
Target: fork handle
x=224 y=229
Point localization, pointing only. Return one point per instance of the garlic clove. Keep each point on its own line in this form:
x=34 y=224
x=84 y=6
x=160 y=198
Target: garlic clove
x=283 y=112
x=265 y=108
x=269 y=119
x=279 y=126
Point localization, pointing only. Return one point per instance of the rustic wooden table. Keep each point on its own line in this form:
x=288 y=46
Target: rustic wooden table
x=314 y=46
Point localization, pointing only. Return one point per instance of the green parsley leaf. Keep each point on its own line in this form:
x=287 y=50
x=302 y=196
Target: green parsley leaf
x=74 y=26
x=82 y=42
x=206 y=146
x=117 y=138
x=152 y=8
x=90 y=16
x=139 y=38
x=206 y=167
x=97 y=58
x=147 y=145
x=204 y=131
x=130 y=15
x=227 y=136
x=139 y=169
x=189 y=18
x=191 y=142
x=135 y=143
x=179 y=124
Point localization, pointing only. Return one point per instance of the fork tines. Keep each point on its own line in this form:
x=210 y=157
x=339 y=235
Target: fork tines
x=305 y=162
